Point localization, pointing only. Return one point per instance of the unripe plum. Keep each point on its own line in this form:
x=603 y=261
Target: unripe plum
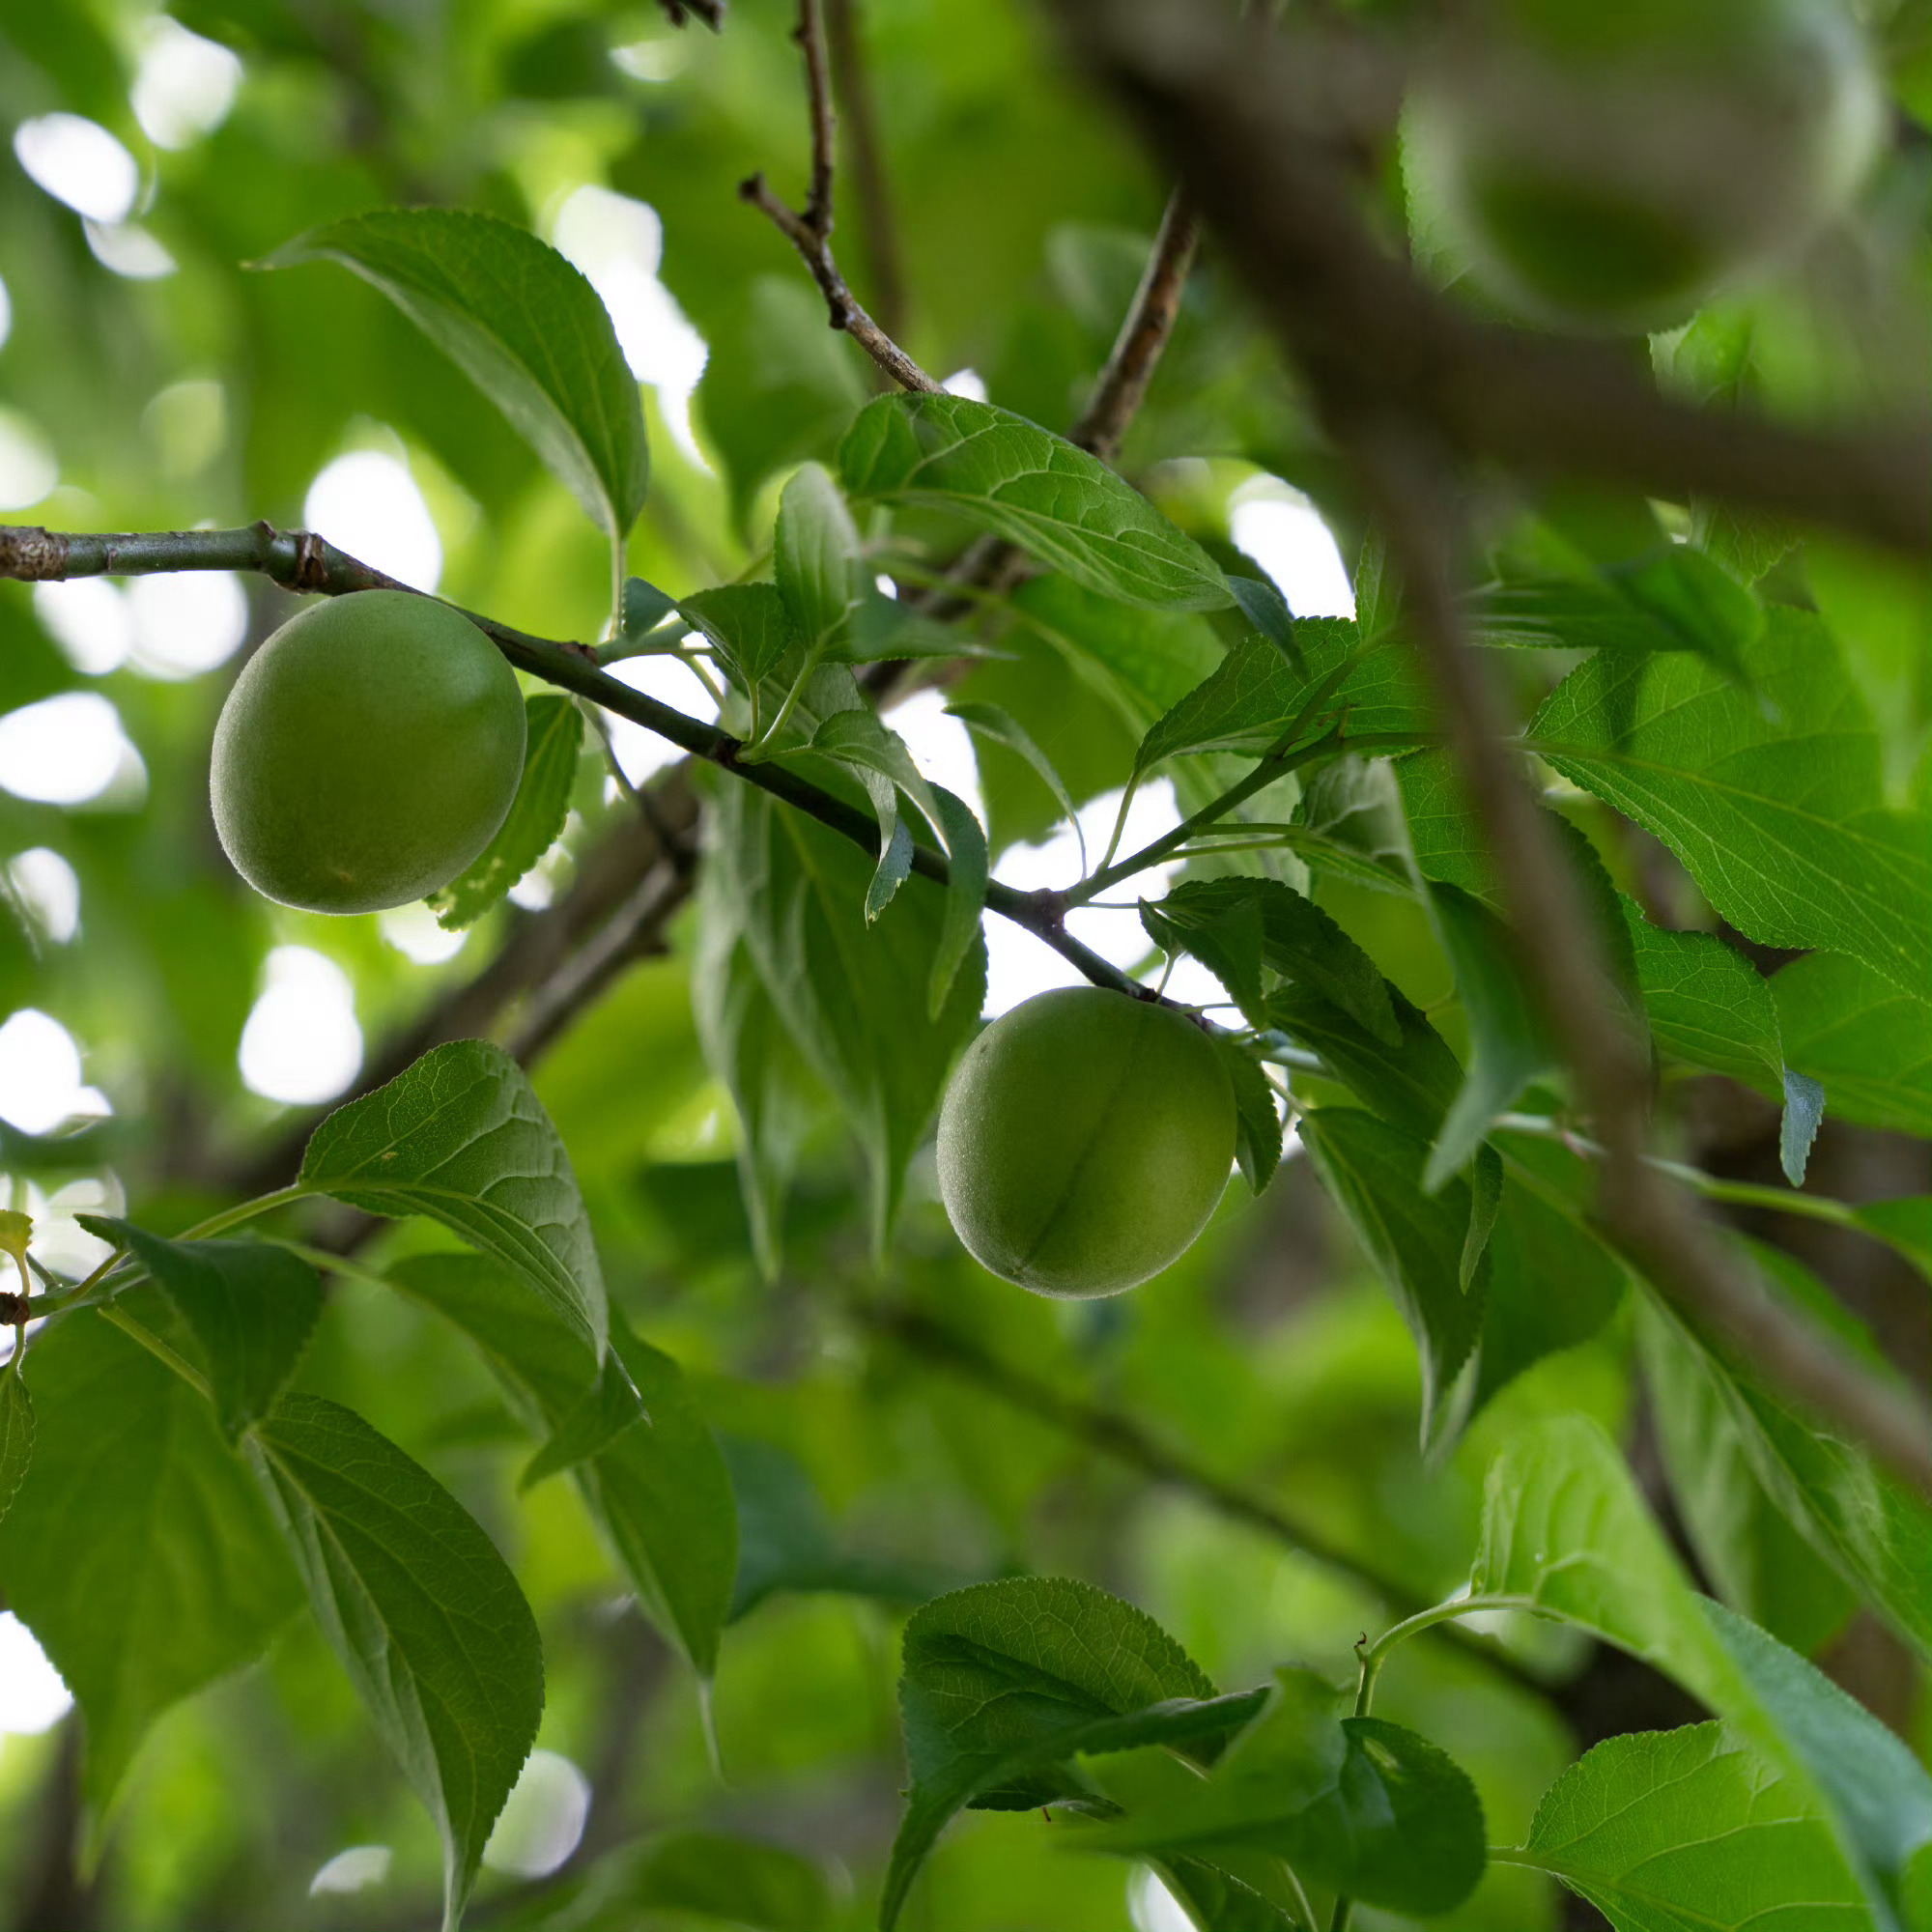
x=1608 y=167
x=1085 y=1140
x=367 y=754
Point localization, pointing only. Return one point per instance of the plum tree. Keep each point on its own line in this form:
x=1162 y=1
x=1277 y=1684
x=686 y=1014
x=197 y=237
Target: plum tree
x=368 y=751
x=1084 y=1142
x=1608 y=167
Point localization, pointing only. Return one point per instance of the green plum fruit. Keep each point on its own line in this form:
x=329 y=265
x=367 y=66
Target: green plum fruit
x=367 y=754
x=1608 y=167
x=1085 y=1140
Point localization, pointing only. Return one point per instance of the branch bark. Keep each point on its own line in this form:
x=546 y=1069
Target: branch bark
x=810 y=232
x=1143 y=334
x=853 y=82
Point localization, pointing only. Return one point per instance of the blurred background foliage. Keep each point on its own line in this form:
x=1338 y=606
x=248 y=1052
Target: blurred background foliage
x=150 y=380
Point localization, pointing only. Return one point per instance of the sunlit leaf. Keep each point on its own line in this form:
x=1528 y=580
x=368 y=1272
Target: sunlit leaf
x=1035 y=489
x=1687 y=1830
x=521 y=323
x=460 y=1136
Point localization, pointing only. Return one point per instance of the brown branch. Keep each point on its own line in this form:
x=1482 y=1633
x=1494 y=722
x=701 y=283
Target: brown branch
x=810 y=232
x=1143 y=334
x=1262 y=128
x=869 y=167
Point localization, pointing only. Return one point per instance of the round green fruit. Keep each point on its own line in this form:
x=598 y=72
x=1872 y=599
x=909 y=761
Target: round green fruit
x=367 y=754
x=1085 y=1140
x=1608 y=167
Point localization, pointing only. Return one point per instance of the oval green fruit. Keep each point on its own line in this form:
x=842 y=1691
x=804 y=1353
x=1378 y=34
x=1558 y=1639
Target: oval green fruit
x=1608 y=167
x=367 y=754
x=1085 y=1140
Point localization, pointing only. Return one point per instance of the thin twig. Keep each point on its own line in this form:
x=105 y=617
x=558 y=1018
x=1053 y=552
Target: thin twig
x=1143 y=333
x=869 y=164
x=1262 y=127
x=810 y=232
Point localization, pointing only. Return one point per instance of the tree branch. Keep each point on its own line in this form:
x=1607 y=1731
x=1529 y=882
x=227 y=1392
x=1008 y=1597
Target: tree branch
x=1261 y=127
x=1143 y=333
x=868 y=165
x=301 y=560
x=810 y=232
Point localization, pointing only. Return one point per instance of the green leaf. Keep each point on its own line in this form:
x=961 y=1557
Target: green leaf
x=786 y=1541
x=1565 y=1533
x=610 y=1407
x=664 y=1496
x=1753 y=1553
x=853 y=996
x=734 y=1881
x=1804 y=1110
x=990 y=722
x=1036 y=490
x=1373 y=1170
x=1674 y=598
x=545 y=1363
x=778 y=386
x=746 y=1046
x=460 y=1137
x=1773 y=799
x=643 y=607
x=1412 y=1085
x=1877 y=1789
x=658 y=1490
x=1868 y=1044
x=1689 y=1830
x=1003 y=1680
x=425 y=1615
x=16 y=1432
x=250 y=1306
x=1266 y=609
x=521 y=323
x=1873 y=1530
x=554 y=736
x=1219 y=1901
x=1139 y=661
x=1707 y=1004
x=136 y=1550
x=1255 y=696
x=1549 y=1285
x=861 y=739
x=1508 y=1048
x=1356 y=1804
x=1238 y=926
x=967 y=868
x=817 y=559
x=749 y=626
x=1257 y=1114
